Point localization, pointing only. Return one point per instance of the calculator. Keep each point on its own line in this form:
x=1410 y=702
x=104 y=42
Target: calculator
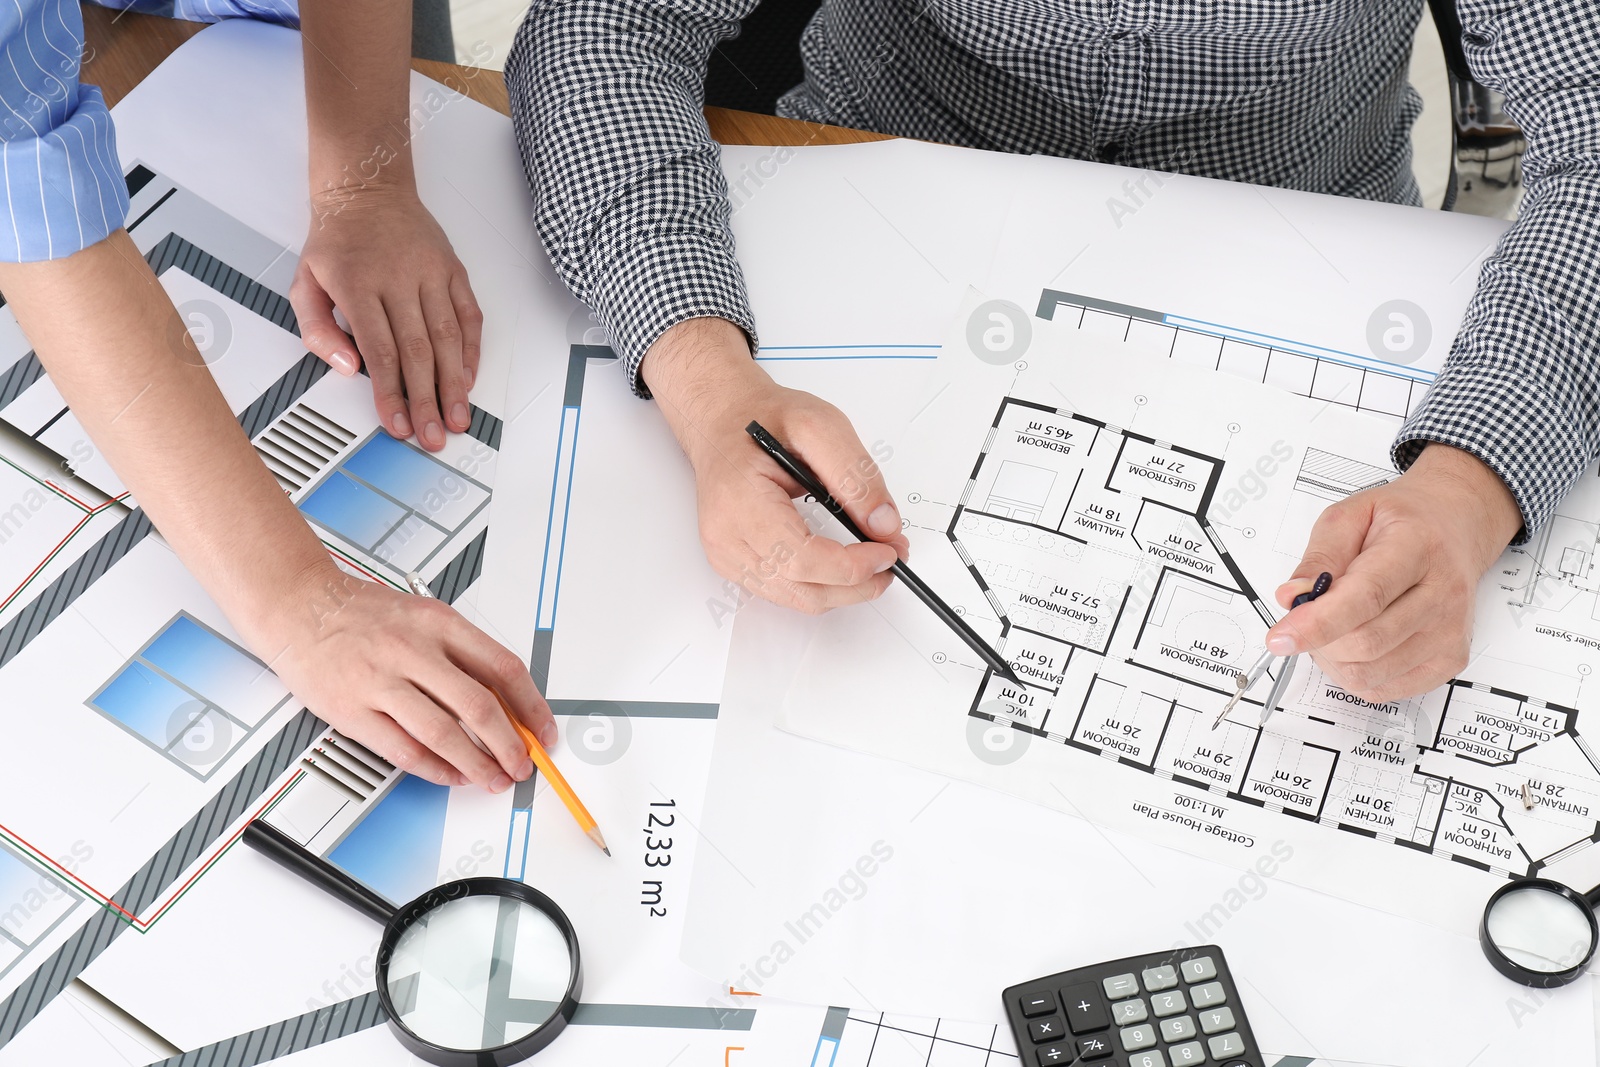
x=1169 y=1009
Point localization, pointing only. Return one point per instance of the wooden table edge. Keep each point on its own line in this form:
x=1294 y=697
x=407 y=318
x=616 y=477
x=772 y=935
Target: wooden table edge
x=121 y=49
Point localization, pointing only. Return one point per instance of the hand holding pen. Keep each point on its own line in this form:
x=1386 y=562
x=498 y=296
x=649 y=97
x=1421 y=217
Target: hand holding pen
x=794 y=468
x=708 y=388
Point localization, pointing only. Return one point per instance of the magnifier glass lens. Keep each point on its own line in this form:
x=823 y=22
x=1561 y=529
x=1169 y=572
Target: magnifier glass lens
x=479 y=971
x=1539 y=930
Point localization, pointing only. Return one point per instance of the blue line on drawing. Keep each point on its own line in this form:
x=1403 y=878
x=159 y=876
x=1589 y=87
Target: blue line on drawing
x=550 y=529
x=566 y=513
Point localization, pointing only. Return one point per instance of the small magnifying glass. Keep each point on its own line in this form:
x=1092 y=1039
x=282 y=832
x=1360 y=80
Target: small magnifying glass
x=482 y=972
x=1539 y=932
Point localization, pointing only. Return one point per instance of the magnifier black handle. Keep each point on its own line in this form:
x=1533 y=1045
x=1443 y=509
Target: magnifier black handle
x=285 y=850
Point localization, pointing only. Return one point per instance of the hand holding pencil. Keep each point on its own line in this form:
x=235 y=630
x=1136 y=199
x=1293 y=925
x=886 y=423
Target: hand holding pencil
x=536 y=751
x=547 y=767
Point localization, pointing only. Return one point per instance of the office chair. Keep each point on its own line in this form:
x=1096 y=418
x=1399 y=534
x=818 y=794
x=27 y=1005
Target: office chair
x=1486 y=146
x=431 y=36
x=751 y=71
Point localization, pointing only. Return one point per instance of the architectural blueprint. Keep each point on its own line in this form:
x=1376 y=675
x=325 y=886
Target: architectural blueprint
x=117 y=662
x=983 y=886
x=1111 y=517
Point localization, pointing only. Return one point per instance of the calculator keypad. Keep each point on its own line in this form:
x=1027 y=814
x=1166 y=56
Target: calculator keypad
x=1086 y=1011
x=1187 y=1053
x=1158 y=978
x=1135 y=1038
x=1121 y=985
x=1045 y=1030
x=1174 y=1009
x=1168 y=1003
x=1037 y=1003
x=1225 y=1045
x=1050 y=1055
x=1094 y=1048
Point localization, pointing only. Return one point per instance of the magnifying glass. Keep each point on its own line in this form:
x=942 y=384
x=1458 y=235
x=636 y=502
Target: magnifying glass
x=481 y=972
x=1540 y=933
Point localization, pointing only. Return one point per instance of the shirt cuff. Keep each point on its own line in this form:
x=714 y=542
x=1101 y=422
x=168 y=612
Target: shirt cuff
x=661 y=282
x=1508 y=423
x=63 y=186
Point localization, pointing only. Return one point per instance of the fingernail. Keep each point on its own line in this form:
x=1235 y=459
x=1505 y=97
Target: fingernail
x=1282 y=645
x=885 y=565
x=432 y=435
x=549 y=735
x=402 y=425
x=344 y=363
x=525 y=771
x=471 y=375
x=884 y=521
x=462 y=779
x=460 y=415
x=501 y=783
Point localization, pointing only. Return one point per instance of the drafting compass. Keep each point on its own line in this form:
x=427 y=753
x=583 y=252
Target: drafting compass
x=1243 y=682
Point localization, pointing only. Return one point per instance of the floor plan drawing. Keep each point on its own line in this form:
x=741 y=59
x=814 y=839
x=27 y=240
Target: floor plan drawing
x=1127 y=619
x=1118 y=536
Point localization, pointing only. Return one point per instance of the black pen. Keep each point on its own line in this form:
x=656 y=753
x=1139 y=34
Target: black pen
x=808 y=481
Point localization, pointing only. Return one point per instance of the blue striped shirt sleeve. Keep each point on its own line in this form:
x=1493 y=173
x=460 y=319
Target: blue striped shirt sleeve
x=59 y=170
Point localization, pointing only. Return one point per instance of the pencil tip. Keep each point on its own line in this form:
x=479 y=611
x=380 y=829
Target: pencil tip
x=607 y=851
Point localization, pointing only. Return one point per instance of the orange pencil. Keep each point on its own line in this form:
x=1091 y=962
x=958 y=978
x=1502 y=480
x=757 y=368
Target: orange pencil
x=547 y=767
x=541 y=758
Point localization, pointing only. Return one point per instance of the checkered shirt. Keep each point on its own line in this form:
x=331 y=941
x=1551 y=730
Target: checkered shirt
x=633 y=209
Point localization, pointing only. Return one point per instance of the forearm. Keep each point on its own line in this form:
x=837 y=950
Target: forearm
x=358 y=78
x=131 y=375
x=1521 y=389
x=698 y=371
x=630 y=199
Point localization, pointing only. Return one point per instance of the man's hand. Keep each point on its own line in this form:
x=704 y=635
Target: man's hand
x=1406 y=558
x=377 y=255
x=403 y=675
x=709 y=388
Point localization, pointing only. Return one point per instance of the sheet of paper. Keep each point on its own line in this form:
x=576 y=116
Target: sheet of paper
x=164 y=705
x=866 y=243
x=902 y=229
x=76 y=1025
x=1329 y=273
x=1116 y=517
x=614 y=672
x=178 y=734
x=897 y=889
x=777 y=1035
